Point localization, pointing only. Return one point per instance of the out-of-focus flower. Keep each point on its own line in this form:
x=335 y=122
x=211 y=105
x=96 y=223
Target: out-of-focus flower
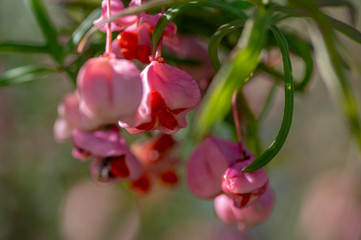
x=168 y=94
x=110 y=89
x=244 y=187
x=112 y=159
x=71 y=117
x=90 y=212
x=331 y=209
x=207 y=165
x=119 y=24
x=158 y=160
x=247 y=217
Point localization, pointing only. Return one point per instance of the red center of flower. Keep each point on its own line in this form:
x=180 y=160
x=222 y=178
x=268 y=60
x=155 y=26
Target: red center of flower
x=160 y=113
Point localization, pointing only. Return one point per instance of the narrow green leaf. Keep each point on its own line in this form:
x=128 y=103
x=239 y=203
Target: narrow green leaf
x=171 y=13
x=23 y=47
x=48 y=30
x=346 y=29
x=167 y=17
x=227 y=8
x=23 y=74
x=335 y=70
x=236 y=71
x=339 y=3
x=304 y=50
x=217 y=37
x=277 y=144
x=80 y=31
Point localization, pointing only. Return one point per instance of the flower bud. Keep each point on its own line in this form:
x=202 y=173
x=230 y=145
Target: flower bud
x=247 y=217
x=244 y=187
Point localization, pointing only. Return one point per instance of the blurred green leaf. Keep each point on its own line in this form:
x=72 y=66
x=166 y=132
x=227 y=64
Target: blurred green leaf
x=236 y=71
x=167 y=17
x=217 y=37
x=346 y=29
x=227 y=8
x=268 y=103
x=339 y=3
x=80 y=31
x=49 y=32
x=23 y=47
x=171 y=13
x=277 y=144
x=335 y=70
x=23 y=74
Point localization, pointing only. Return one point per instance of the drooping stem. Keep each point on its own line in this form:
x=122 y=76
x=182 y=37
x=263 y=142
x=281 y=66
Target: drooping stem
x=236 y=122
x=108 y=44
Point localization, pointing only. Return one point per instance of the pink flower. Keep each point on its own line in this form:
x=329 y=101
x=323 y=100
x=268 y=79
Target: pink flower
x=71 y=116
x=116 y=7
x=112 y=158
x=207 y=165
x=168 y=94
x=247 y=217
x=110 y=89
x=244 y=188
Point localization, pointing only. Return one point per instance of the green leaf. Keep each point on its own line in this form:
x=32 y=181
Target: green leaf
x=227 y=8
x=277 y=144
x=338 y=3
x=80 y=31
x=167 y=17
x=333 y=68
x=23 y=47
x=236 y=71
x=171 y=13
x=217 y=37
x=23 y=74
x=346 y=29
x=49 y=32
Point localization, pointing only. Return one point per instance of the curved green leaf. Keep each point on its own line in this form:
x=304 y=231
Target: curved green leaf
x=217 y=37
x=339 y=3
x=171 y=13
x=49 y=32
x=228 y=8
x=277 y=144
x=304 y=51
x=23 y=47
x=236 y=71
x=80 y=31
x=346 y=29
x=167 y=17
x=23 y=74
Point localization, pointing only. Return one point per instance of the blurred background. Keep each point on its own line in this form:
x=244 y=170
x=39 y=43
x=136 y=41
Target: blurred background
x=47 y=194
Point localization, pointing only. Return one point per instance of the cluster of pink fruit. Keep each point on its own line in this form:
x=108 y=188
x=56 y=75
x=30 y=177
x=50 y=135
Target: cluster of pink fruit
x=113 y=94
